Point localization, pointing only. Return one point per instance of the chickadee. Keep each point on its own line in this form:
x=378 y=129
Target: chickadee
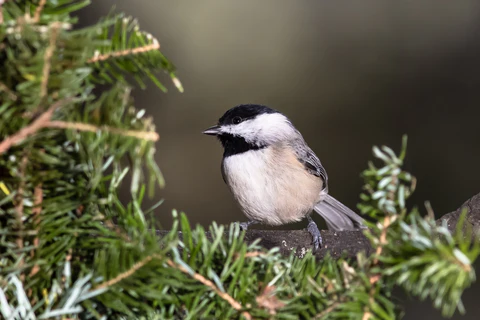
x=273 y=174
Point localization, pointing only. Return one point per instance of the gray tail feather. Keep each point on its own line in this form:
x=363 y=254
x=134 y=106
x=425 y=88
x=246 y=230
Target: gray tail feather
x=338 y=216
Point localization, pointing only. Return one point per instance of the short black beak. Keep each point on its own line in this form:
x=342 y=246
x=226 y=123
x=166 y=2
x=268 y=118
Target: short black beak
x=212 y=131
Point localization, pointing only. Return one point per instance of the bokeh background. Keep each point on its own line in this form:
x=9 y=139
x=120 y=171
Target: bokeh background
x=349 y=74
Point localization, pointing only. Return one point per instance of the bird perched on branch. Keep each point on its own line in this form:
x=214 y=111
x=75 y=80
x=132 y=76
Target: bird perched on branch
x=273 y=174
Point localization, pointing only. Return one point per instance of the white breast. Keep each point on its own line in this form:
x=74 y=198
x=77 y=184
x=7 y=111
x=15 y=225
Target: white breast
x=271 y=186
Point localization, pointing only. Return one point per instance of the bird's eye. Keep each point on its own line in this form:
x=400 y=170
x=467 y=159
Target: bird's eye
x=237 y=120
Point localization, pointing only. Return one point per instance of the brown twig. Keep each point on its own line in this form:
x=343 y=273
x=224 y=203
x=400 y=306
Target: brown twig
x=328 y=310
x=268 y=300
x=252 y=254
x=144 y=135
x=225 y=296
x=383 y=238
x=43 y=121
x=236 y=305
x=36 y=125
x=38 y=11
x=47 y=63
x=125 y=274
x=101 y=57
x=1 y=11
x=382 y=241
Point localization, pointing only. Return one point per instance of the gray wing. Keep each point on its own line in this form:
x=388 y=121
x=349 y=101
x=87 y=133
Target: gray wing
x=312 y=164
x=336 y=214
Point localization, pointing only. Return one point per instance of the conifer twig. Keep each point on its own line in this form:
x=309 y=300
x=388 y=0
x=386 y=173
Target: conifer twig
x=252 y=254
x=144 y=135
x=382 y=238
x=1 y=11
x=225 y=296
x=27 y=131
x=126 y=274
x=19 y=200
x=236 y=305
x=382 y=241
x=101 y=57
x=43 y=121
x=48 y=56
x=19 y=206
x=37 y=209
x=38 y=11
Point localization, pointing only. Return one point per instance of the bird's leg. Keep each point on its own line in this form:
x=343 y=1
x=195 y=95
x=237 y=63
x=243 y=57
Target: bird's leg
x=313 y=230
x=245 y=225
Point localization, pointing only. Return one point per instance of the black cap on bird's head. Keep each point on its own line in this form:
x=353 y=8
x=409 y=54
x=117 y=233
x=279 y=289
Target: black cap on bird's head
x=237 y=115
x=251 y=126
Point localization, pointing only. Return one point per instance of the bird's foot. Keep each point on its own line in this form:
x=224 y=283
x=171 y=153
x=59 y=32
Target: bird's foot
x=316 y=235
x=244 y=225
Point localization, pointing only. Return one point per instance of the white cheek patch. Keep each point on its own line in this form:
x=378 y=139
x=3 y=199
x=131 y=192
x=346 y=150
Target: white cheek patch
x=266 y=129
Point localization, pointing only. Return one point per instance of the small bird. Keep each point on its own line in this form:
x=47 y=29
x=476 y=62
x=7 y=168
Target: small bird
x=273 y=174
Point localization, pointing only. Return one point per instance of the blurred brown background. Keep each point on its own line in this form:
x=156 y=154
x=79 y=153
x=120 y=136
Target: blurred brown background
x=349 y=74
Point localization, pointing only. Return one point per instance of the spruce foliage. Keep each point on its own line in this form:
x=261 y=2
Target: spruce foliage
x=69 y=249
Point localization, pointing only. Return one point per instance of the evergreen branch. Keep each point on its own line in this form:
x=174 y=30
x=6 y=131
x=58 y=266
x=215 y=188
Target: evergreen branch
x=36 y=211
x=31 y=129
x=19 y=202
x=55 y=27
x=43 y=121
x=38 y=11
x=225 y=296
x=382 y=239
x=125 y=274
x=143 y=135
x=67 y=197
x=155 y=45
x=236 y=305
